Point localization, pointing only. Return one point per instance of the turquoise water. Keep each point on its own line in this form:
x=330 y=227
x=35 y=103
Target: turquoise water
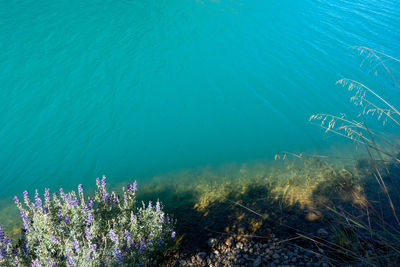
x=131 y=89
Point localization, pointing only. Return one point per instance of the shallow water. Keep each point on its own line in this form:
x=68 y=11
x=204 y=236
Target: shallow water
x=132 y=89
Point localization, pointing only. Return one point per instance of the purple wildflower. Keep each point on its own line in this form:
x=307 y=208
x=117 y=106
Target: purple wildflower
x=113 y=236
x=67 y=219
x=71 y=261
x=38 y=201
x=106 y=196
x=88 y=234
x=168 y=220
x=36 y=263
x=80 y=189
x=60 y=215
x=134 y=186
x=55 y=239
x=129 y=187
x=142 y=247
x=127 y=234
x=71 y=202
x=150 y=205
x=89 y=219
x=16 y=200
x=46 y=194
x=61 y=192
x=1 y=234
x=173 y=235
x=103 y=182
x=26 y=197
x=158 y=208
x=90 y=203
x=94 y=247
x=118 y=255
x=133 y=217
x=77 y=245
x=25 y=220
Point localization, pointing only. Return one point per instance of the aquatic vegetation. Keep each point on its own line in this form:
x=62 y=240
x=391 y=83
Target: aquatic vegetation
x=70 y=229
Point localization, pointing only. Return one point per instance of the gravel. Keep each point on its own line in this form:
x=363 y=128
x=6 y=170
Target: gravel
x=245 y=252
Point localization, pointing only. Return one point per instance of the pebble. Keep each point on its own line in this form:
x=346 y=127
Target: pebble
x=322 y=232
x=232 y=252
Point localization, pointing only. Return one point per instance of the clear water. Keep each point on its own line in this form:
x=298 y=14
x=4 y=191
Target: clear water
x=135 y=88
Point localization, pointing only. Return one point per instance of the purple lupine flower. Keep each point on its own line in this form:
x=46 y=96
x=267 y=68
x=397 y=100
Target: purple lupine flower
x=80 y=189
x=133 y=217
x=71 y=261
x=55 y=239
x=113 y=236
x=89 y=220
x=173 y=235
x=94 y=247
x=1 y=234
x=129 y=187
x=36 y=263
x=168 y=220
x=67 y=219
x=118 y=255
x=150 y=205
x=161 y=243
x=98 y=181
x=158 y=208
x=38 y=201
x=46 y=195
x=127 y=234
x=106 y=196
x=25 y=220
x=134 y=186
x=103 y=182
x=61 y=192
x=88 y=234
x=71 y=202
x=90 y=203
x=26 y=197
x=77 y=245
x=60 y=215
x=142 y=247
x=16 y=200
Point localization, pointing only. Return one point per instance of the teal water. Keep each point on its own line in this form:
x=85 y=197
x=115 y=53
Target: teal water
x=131 y=89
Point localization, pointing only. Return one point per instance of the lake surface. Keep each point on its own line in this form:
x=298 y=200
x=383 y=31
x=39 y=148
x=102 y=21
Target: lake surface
x=132 y=89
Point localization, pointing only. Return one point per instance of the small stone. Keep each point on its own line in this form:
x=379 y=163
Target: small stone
x=212 y=242
x=202 y=255
x=228 y=241
x=275 y=256
x=257 y=262
x=322 y=232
